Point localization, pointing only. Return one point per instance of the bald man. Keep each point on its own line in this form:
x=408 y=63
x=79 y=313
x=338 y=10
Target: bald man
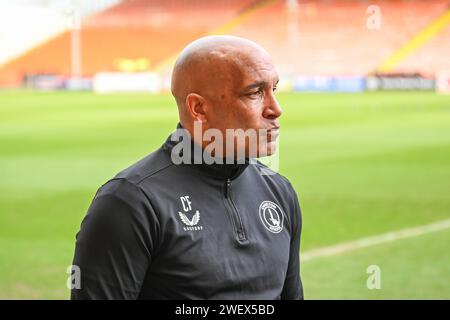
x=200 y=218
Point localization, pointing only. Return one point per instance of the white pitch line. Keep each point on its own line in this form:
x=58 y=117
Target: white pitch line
x=374 y=240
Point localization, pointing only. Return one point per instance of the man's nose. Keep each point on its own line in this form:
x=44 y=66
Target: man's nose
x=272 y=109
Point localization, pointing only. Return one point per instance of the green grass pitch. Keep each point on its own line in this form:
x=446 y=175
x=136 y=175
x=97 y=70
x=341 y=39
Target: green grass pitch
x=362 y=164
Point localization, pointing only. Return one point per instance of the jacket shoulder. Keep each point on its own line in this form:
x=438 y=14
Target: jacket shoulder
x=154 y=163
x=278 y=178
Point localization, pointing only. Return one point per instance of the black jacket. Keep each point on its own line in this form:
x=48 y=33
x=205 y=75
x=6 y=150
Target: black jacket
x=191 y=231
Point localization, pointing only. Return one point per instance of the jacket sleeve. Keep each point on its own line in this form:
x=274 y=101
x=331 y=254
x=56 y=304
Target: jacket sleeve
x=115 y=244
x=293 y=288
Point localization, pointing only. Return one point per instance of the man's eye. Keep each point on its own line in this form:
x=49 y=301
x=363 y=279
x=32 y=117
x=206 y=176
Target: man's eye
x=255 y=93
x=274 y=88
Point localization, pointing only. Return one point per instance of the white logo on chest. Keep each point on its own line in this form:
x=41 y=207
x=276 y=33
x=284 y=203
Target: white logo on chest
x=271 y=216
x=190 y=224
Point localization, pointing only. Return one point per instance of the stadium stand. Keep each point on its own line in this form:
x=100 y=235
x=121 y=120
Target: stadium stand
x=432 y=57
x=319 y=38
x=133 y=29
x=25 y=25
x=304 y=37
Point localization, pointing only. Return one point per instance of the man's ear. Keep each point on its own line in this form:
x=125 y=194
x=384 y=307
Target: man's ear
x=196 y=106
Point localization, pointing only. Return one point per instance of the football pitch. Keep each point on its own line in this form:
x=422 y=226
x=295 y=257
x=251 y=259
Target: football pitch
x=363 y=165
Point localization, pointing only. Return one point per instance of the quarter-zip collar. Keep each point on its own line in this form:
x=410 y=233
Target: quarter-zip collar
x=216 y=170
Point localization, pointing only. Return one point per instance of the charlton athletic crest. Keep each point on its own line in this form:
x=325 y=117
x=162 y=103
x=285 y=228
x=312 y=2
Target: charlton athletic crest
x=271 y=216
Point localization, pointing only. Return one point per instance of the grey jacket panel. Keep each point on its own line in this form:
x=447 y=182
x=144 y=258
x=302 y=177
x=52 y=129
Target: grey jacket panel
x=191 y=231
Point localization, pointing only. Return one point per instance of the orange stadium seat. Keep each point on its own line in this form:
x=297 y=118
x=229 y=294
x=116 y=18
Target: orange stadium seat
x=151 y=29
x=431 y=58
x=331 y=37
x=317 y=38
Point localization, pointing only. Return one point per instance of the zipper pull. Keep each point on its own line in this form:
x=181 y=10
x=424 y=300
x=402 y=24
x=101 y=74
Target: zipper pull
x=227 y=187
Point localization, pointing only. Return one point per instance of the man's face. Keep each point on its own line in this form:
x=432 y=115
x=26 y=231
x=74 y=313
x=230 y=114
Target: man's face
x=245 y=99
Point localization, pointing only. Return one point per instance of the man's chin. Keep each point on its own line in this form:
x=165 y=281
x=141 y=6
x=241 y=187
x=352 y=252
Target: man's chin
x=269 y=150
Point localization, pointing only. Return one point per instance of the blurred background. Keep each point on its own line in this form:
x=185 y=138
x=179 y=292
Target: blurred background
x=365 y=140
